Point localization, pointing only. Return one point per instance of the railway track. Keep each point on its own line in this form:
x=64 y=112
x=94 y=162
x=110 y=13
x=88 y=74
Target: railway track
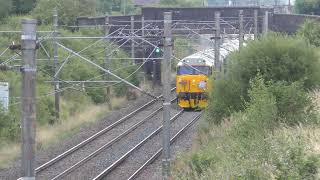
x=73 y=158
x=157 y=154
x=116 y=170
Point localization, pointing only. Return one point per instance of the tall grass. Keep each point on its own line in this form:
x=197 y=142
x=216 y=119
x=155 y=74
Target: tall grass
x=48 y=135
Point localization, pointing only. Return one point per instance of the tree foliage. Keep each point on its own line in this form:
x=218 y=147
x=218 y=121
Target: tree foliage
x=310 y=30
x=68 y=10
x=22 y=6
x=108 y=6
x=246 y=2
x=277 y=58
x=181 y=3
x=307 y=6
x=5 y=8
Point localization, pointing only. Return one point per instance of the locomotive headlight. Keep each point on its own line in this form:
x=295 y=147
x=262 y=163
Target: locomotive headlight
x=202 y=85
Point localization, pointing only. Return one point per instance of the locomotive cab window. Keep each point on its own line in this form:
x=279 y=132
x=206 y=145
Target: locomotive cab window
x=193 y=70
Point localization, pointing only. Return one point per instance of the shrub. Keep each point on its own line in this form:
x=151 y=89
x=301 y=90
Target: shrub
x=310 y=30
x=290 y=158
x=98 y=95
x=276 y=58
x=253 y=146
x=9 y=123
x=5 y=7
x=307 y=7
x=68 y=10
x=260 y=115
x=294 y=104
x=200 y=162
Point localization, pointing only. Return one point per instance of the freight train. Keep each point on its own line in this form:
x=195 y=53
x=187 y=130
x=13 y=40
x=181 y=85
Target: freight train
x=193 y=74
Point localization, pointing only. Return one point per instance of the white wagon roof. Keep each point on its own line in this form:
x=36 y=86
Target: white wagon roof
x=207 y=56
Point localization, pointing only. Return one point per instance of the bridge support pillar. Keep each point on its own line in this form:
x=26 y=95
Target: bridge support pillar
x=266 y=22
x=255 y=19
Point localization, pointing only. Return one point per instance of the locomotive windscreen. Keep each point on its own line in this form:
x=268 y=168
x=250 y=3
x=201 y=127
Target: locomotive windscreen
x=193 y=70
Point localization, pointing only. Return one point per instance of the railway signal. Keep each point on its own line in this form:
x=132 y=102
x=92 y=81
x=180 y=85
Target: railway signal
x=157 y=52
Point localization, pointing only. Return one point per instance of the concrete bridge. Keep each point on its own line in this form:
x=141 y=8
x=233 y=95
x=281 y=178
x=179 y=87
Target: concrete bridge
x=189 y=22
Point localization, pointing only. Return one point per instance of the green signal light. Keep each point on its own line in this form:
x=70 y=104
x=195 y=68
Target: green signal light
x=157 y=50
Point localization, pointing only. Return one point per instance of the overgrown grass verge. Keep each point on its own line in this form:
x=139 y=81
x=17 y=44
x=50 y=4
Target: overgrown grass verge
x=51 y=134
x=297 y=147
x=248 y=146
x=263 y=118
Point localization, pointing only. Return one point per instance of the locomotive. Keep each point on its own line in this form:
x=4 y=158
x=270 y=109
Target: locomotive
x=193 y=74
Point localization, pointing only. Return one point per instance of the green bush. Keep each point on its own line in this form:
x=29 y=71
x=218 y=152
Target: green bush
x=200 y=162
x=181 y=3
x=5 y=7
x=68 y=10
x=294 y=104
x=310 y=30
x=121 y=89
x=290 y=158
x=307 y=7
x=254 y=145
x=260 y=113
x=76 y=101
x=276 y=58
x=73 y=98
x=9 y=123
x=98 y=95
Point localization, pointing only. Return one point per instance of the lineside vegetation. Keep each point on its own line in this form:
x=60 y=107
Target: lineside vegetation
x=74 y=99
x=261 y=120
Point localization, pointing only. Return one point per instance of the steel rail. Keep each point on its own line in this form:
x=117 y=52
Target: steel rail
x=105 y=146
x=158 y=153
x=93 y=137
x=126 y=155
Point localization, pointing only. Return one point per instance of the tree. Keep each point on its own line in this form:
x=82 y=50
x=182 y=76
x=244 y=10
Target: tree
x=307 y=6
x=310 y=30
x=246 y=2
x=104 y=6
x=123 y=6
x=276 y=58
x=23 y=6
x=180 y=3
x=68 y=10
x=5 y=7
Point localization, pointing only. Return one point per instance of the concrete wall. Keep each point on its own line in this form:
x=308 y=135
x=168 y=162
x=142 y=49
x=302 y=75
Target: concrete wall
x=228 y=14
x=289 y=23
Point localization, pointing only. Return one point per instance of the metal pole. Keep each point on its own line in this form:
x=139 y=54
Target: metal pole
x=132 y=41
x=28 y=46
x=266 y=22
x=56 y=65
x=142 y=34
x=154 y=72
x=241 y=33
x=255 y=17
x=106 y=62
x=166 y=68
x=142 y=44
x=217 y=62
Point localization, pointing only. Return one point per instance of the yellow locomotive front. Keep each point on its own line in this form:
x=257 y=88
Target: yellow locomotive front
x=192 y=82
